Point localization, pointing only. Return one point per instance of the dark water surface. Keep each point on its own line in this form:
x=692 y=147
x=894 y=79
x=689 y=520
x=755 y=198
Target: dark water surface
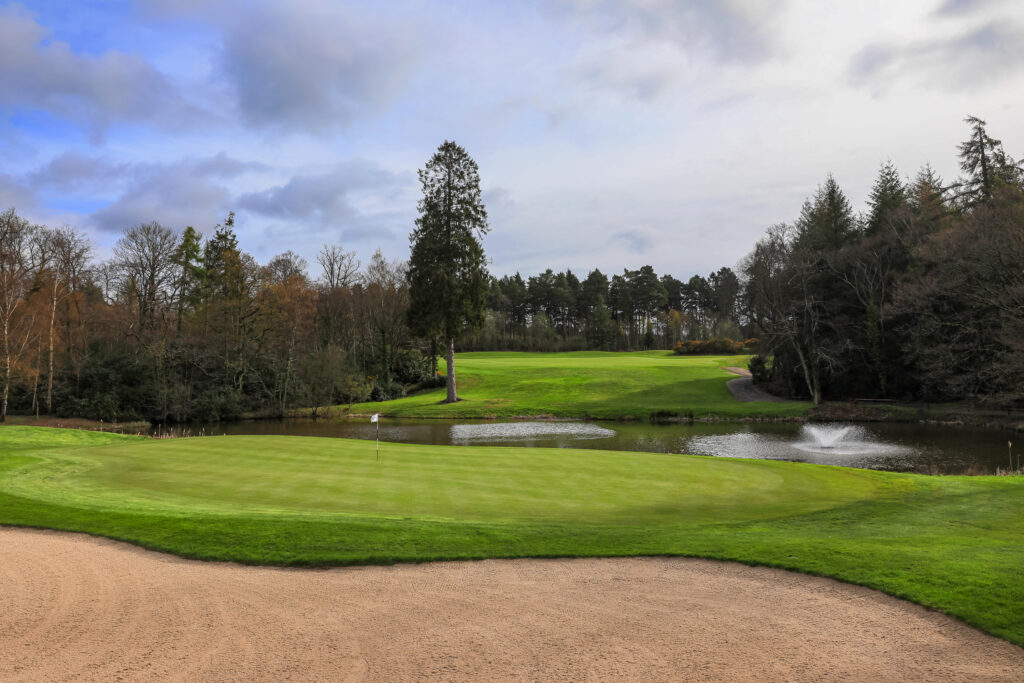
x=895 y=447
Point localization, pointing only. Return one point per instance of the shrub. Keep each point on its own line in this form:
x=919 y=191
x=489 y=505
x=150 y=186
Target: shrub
x=217 y=404
x=352 y=389
x=722 y=347
x=103 y=406
x=412 y=367
x=760 y=369
x=385 y=391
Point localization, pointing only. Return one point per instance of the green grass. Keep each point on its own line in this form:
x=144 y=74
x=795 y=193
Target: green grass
x=951 y=543
x=587 y=384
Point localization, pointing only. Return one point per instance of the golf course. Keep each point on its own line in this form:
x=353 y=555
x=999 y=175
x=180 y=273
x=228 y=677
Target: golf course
x=955 y=544
x=587 y=384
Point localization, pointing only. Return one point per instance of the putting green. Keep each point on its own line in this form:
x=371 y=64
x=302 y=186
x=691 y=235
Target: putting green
x=326 y=477
x=952 y=543
x=587 y=384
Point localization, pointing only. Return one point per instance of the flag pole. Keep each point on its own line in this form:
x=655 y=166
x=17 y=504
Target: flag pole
x=375 y=418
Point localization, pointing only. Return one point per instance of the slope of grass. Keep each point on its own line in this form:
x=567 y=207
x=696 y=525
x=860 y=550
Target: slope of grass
x=952 y=543
x=586 y=384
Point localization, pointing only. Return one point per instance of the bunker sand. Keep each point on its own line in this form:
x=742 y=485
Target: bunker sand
x=76 y=607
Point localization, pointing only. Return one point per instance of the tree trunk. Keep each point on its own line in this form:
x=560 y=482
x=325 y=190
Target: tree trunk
x=450 y=361
x=874 y=334
x=7 y=370
x=49 y=371
x=810 y=375
x=288 y=374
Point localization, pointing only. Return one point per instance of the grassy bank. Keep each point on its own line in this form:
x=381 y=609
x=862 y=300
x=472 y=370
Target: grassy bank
x=129 y=427
x=952 y=543
x=587 y=384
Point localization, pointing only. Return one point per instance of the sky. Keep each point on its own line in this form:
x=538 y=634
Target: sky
x=609 y=133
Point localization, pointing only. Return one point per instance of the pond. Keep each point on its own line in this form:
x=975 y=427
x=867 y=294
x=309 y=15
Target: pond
x=882 y=446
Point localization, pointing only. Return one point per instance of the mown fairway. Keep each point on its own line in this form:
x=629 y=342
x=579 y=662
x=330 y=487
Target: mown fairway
x=953 y=543
x=586 y=384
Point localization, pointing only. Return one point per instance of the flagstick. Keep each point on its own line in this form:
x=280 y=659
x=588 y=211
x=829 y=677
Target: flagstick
x=378 y=441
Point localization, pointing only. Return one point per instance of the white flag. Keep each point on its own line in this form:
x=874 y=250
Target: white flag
x=373 y=418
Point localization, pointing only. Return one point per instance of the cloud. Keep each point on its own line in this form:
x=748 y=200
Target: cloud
x=639 y=70
x=960 y=8
x=354 y=200
x=726 y=31
x=15 y=194
x=643 y=47
x=223 y=166
x=636 y=241
x=92 y=91
x=969 y=60
x=188 y=192
x=325 y=198
x=73 y=171
x=314 y=68
x=498 y=201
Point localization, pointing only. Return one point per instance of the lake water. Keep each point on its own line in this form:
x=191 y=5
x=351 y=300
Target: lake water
x=895 y=447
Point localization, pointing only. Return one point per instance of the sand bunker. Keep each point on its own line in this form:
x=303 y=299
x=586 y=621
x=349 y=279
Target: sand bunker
x=75 y=607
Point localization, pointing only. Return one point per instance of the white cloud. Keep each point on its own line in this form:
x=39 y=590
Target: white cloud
x=93 y=91
x=314 y=69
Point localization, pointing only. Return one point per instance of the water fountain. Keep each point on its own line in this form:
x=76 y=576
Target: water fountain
x=827 y=436
x=826 y=444
x=842 y=440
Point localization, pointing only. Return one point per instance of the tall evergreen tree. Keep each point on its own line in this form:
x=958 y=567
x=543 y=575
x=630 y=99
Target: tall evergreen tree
x=888 y=195
x=725 y=289
x=518 y=298
x=983 y=160
x=593 y=291
x=448 y=280
x=826 y=222
x=188 y=261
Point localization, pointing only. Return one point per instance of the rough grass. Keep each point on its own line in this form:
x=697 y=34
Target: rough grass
x=587 y=384
x=951 y=543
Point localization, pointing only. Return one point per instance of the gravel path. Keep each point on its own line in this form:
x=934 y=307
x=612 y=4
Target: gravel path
x=75 y=607
x=744 y=391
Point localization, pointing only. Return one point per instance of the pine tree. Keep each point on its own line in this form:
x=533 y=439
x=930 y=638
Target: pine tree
x=983 y=160
x=188 y=260
x=826 y=222
x=888 y=195
x=448 y=279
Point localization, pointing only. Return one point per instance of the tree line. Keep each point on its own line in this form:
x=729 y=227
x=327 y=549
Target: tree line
x=176 y=327
x=920 y=297
x=637 y=309
x=179 y=327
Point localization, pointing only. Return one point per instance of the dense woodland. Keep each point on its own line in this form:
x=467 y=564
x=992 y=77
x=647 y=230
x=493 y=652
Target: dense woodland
x=176 y=327
x=919 y=297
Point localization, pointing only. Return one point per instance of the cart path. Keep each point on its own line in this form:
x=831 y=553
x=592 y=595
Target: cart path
x=744 y=391
x=77 y=607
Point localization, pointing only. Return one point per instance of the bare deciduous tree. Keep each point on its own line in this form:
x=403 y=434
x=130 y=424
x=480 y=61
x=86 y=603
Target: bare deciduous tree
x=340 y=268
x=144 y=259
x=19 y=255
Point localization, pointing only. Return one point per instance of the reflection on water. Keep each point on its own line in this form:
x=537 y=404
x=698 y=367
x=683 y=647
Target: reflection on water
x=465 y=434
x=897 y=447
